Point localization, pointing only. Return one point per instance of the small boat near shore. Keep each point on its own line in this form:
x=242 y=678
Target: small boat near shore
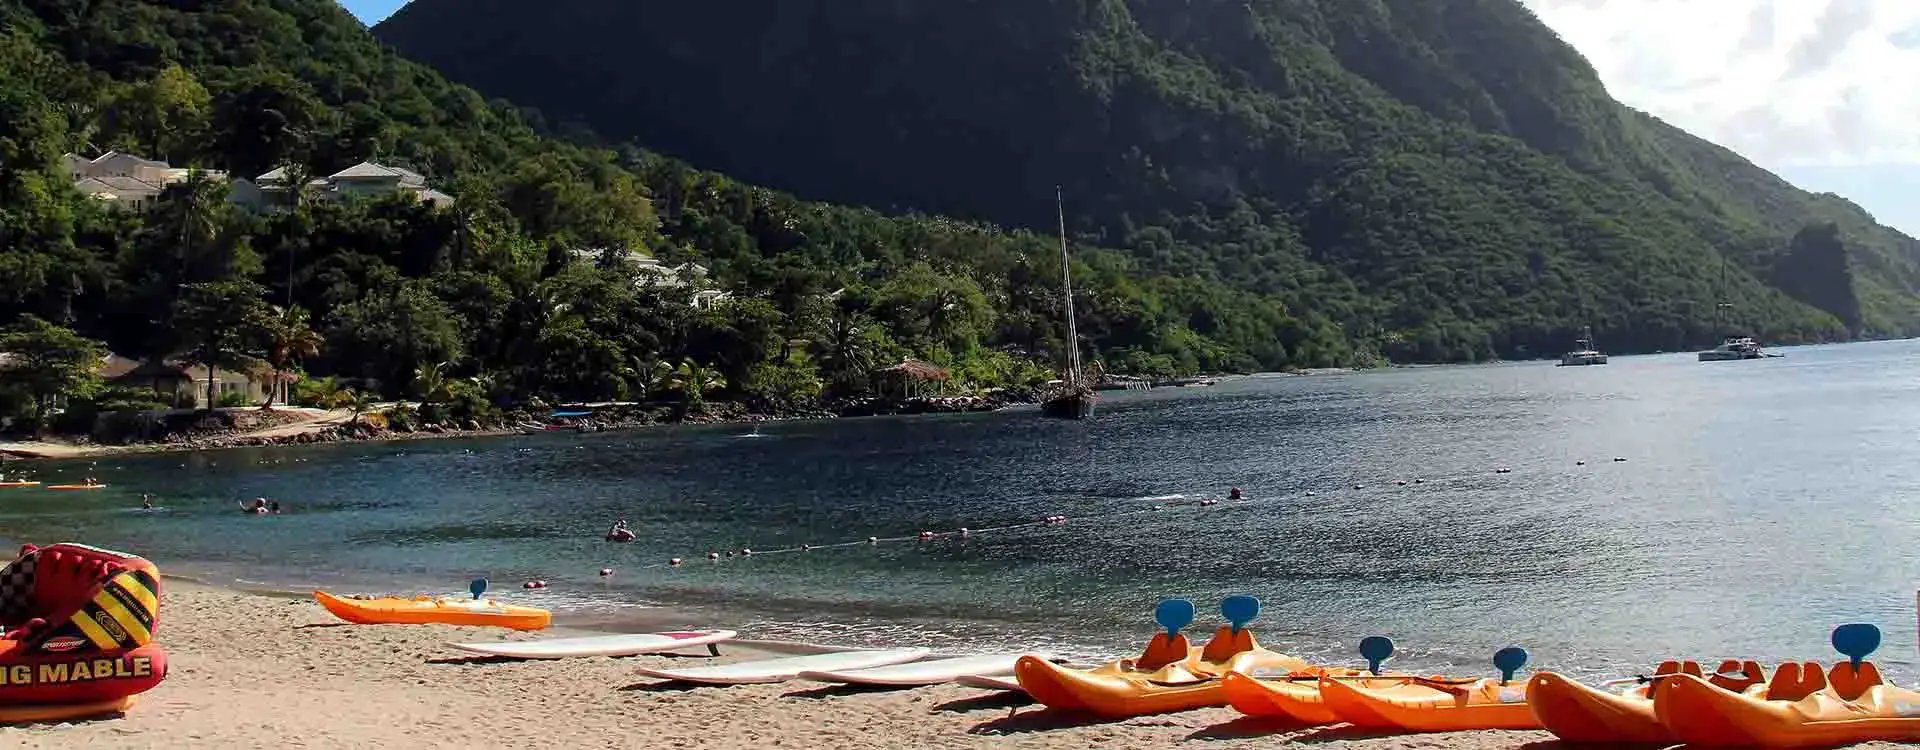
x=1735 y=348
x=1584 y=352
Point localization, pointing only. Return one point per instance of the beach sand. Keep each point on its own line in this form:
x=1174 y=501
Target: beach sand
x=250 y=670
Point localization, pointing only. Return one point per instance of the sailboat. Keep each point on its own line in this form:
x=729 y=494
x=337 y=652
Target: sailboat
x=1074 y=398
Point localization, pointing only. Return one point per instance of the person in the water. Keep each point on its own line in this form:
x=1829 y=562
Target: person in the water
x=1233 y=494
x=146 y=501
x=620 y=532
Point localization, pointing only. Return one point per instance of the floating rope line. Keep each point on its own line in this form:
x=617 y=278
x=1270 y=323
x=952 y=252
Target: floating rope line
x=1161 y=504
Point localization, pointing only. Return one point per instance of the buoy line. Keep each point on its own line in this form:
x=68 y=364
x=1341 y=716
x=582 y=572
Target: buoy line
x=1164 y=502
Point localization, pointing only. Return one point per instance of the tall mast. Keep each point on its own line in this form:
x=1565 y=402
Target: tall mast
x=1066 y=282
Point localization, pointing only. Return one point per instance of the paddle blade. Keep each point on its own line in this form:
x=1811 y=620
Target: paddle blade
x=1856 y=640
x=1239 y=610
x=1376 y=649
x=478 y=587
x=1173 y=614
x=1509 y=660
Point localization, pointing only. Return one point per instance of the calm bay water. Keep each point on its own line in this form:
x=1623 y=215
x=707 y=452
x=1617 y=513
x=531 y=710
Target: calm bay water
x=1759 y=504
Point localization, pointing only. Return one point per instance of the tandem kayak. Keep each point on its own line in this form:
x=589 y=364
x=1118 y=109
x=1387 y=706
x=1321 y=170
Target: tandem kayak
x=431 y=610
x=1578 y=713
x=1799 y=708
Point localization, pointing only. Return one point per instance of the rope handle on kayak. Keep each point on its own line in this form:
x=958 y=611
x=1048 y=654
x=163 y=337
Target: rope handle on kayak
x=1645 y=679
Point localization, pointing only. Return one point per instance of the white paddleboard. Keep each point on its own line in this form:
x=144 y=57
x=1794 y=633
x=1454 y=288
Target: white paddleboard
x=602 y=645
x=931 y=672
x=781 y=670
x=990 y=682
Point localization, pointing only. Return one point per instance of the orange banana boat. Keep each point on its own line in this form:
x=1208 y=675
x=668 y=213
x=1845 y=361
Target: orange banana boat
x=1170 y=675
x=1413 y=706
x=1577 y=713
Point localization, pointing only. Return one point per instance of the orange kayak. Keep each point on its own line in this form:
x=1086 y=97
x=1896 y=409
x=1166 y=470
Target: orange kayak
x=1170 y=676
x=76 y=486
x=1577 y=713
x=429 y=610
x=1799 y=708
x=1423 y=706
x=1299 y=699
x=19 y=484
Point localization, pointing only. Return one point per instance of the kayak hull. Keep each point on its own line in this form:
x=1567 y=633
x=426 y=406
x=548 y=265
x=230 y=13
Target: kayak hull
x=1418 y=708
x=430 y=611
x=1296 y=700
x=1577 y=713
x=1118 y=690
x=1701 y=714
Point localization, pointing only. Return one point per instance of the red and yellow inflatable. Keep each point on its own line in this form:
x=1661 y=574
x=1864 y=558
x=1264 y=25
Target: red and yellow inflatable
x=76 y=632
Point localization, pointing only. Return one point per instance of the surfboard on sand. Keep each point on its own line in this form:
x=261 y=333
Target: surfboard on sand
x=787 y=668
x=990 y=682
x=602 y=645
x=930 y=672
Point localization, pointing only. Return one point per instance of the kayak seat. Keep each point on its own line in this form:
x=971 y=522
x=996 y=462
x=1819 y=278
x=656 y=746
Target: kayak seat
x=1737 y=675
x=1849 y=682
x=1226 y=643
x=1793 y=681
x=1161 y=651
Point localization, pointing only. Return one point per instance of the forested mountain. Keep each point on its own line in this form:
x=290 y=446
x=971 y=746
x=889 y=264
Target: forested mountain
x=1445 y=180
x=529 y=284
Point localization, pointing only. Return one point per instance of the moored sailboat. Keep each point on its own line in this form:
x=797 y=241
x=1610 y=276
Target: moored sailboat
x=1073 y=397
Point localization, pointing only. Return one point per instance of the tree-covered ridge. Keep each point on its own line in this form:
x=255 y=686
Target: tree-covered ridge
x=1442 y=181
x=536 y=281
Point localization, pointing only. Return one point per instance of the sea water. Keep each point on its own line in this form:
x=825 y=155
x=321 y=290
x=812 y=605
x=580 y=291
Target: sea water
x=1603 y=518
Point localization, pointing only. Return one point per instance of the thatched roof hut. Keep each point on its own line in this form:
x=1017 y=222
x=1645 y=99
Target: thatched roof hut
x=912 y=378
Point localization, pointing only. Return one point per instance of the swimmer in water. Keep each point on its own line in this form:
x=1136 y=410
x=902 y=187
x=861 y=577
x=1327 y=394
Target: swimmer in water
x=273 y=506
x=146 y=501
x=1233 y=494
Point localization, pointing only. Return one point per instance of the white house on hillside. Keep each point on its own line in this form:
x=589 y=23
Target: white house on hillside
x=649 y=271
x=126 y=181
x=365 y=179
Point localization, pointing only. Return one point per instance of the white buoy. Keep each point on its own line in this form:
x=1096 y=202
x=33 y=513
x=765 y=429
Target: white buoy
x=873 y=540
x=673 y=563
x=604 y=572
x=714 y=556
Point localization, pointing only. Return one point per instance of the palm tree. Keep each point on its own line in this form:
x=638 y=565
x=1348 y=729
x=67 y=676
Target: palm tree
x=358 y=402
x=648 y=376
x=430 y=381
x=693 y=381
x=290 y=339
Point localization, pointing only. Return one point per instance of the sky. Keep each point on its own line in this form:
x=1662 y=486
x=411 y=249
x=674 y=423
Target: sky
x=1825 y=93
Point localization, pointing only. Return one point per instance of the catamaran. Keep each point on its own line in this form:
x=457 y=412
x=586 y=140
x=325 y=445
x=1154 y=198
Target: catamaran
x=1585 y=354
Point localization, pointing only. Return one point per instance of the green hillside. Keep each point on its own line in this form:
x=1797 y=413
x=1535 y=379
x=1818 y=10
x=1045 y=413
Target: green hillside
x=1445 y=181
x=530 y=284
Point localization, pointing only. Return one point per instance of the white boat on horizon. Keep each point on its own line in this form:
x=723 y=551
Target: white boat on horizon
x=1585 y=354
x=1735 y=348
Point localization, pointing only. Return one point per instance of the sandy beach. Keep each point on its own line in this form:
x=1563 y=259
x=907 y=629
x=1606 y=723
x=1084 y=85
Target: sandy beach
x=252 y=670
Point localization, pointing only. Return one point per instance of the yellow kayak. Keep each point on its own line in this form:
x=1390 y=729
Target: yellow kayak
x=431 y=610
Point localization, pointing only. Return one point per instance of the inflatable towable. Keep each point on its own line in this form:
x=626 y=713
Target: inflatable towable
x=76 y=632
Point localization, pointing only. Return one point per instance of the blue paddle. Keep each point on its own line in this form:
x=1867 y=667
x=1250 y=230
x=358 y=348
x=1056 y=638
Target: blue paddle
x=1173 y=614
x=1376 y=649
x=478 y=587
x=1239 y=610
x=1856 y=640
x=1509 y=660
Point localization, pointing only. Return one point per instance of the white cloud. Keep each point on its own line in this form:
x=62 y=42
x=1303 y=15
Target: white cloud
x=1784 y=82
